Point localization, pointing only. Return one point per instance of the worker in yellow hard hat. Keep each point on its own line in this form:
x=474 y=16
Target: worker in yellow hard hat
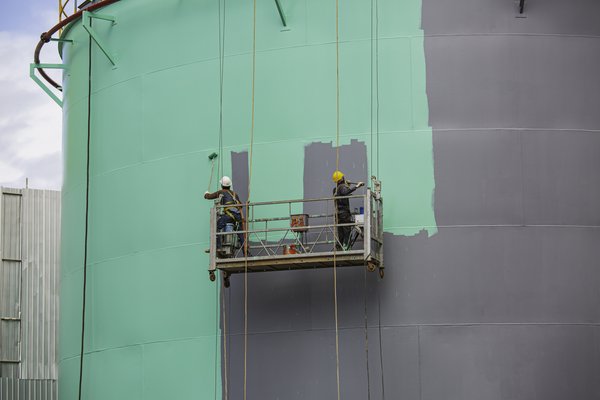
x=343 y=214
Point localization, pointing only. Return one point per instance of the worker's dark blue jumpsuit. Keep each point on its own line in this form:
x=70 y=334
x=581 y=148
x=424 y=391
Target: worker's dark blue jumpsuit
x=343 y=214
x=231 y=215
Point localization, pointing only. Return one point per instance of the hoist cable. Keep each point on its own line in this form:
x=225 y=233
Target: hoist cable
x=381 y=347
x=367 y=338
x=225 y=338
x=217 y=311
x=221 y=81
x=378 y=158
x=371 y=109
x=218 y=287
x=377 y=78
x=246 y=228
x=87 y=204
x=371 y=173
x=337 y=167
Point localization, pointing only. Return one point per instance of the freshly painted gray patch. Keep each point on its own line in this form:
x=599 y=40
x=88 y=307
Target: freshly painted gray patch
x=476 y=17
x=239 y=176
x=503 y=302
x=513 y=81
x=517 y=177
x=514 y=280
x=478 y=177
x=510 y=362
x=479 y=275
x=561 y=177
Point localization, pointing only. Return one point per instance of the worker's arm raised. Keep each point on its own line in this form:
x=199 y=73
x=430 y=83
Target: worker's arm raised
x=212 y=196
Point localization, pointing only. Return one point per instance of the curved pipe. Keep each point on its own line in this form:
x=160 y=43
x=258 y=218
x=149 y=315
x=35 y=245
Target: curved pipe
x=46 y=36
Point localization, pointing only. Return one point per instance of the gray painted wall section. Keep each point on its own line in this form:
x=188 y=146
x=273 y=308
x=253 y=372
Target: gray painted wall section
x=30 y=236
x=502 y=303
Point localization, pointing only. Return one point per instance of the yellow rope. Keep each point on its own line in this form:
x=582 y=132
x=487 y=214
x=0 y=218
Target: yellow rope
x=225 y=370
x=337 y=166
x=248 y=200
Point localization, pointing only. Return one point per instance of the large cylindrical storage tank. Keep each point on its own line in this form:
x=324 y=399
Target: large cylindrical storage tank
x=482 y=124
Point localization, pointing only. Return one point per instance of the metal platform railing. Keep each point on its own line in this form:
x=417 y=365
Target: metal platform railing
x=300 y=234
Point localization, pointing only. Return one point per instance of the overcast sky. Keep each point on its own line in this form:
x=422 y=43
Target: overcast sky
x=30 y=122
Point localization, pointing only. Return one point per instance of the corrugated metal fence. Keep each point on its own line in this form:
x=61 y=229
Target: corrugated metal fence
x=27 y=389
x=29 y=273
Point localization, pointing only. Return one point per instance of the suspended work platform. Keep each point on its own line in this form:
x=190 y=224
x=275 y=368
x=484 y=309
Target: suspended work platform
x=300 y=234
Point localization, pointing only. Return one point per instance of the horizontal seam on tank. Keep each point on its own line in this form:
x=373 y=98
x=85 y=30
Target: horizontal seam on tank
x=511 y=34
x=448 y=325
x=142 y=252
x=71 y=272
x=495 y=226
x=243 y=53
x=517 y=129
x=321 y=139
x=187 y=339
x=230 y=147
x=412 y=36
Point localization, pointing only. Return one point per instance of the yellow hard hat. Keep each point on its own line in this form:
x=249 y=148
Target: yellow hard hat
x=337 y=176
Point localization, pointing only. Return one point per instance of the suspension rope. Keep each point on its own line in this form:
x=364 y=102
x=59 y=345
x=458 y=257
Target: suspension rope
x=378 y=158
x=87 y=203
x=371 y=173
x=367 y=339
x=381 y=347
x=224 y=305
x=337 y=167
x=216 y=337
x=250 y=155
x=377 y=77
x=221 y=80
x=218 y=287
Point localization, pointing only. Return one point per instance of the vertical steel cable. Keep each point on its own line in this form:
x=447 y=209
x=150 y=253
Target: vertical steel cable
x=221 y=80
x=367 y=340
x=87 y=202
x=371 y=85
x=337 y=166
x=377 y=139
x=251 y=151
x=217 y=299
x=371 y=173
x=225 y=360
x=377 y=77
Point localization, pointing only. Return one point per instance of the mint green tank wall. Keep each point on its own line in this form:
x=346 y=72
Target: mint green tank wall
x=152 y=315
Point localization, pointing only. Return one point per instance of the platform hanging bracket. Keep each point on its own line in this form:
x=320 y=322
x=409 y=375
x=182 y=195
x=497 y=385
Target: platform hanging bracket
x=282 y=15
x=87 y=25
x=32 y=75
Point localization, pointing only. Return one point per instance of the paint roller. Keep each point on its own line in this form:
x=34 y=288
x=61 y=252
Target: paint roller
x=212 y=157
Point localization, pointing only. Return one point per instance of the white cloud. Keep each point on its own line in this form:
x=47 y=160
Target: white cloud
x=30 y=122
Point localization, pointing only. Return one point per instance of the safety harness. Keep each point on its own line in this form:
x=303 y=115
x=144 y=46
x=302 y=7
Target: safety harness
x=229 y=197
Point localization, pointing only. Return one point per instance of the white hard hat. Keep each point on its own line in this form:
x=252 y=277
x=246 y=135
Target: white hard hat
x=225 y=181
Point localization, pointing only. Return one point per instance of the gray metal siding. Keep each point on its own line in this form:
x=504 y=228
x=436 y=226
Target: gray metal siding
x=10 y=282
x=41 y=238
x=29 y=245
x=28 y=389
x=11 y=226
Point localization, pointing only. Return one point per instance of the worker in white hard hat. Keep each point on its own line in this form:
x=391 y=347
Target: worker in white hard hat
x=232 y=214
x=342 y=208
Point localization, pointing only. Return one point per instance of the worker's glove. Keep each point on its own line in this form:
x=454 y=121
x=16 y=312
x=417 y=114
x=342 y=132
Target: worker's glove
x=359 y=184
